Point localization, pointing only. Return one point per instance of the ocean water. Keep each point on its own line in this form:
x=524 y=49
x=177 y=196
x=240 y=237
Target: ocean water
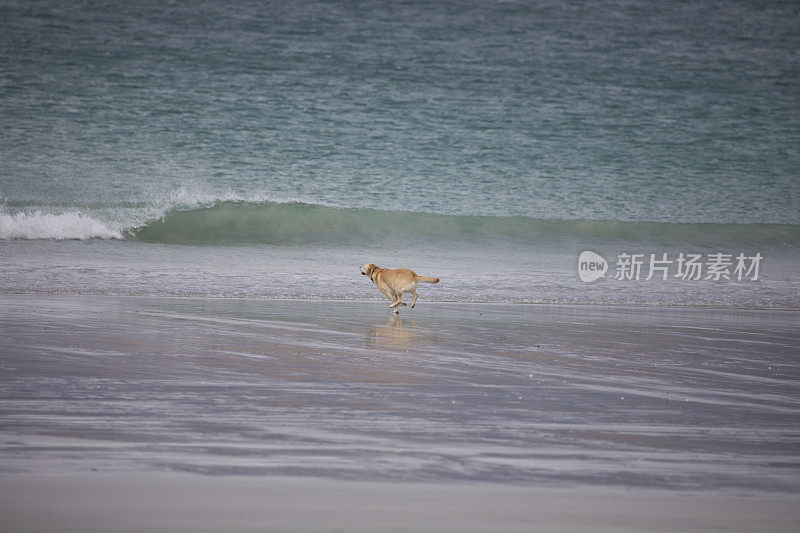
x=268 y=149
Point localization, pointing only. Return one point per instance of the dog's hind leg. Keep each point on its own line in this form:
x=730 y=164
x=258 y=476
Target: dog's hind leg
x=396 y=299
x=399 y=301
x=413 y=303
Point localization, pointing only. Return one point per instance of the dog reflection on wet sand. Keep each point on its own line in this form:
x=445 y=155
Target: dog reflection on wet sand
x=399 y=333
x=395 y=333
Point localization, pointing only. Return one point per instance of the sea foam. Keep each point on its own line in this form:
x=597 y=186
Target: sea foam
x=57 y=226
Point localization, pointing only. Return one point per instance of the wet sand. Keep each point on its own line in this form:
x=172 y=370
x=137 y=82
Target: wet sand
x=661 y=418
x=184 y=502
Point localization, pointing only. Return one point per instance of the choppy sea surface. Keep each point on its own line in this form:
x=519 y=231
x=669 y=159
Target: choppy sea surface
x=268 y=149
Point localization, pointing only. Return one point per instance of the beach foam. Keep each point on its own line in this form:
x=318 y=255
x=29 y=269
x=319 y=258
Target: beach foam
x=58 y=226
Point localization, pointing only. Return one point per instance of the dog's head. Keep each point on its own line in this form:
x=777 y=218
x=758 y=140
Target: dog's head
x=367 y=269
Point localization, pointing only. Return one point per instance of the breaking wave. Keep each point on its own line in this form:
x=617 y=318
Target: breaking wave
x=56 y=226
x=299 y=223
x=231 y=222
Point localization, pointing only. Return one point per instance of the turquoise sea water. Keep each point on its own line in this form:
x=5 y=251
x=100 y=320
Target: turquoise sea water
x=268 y=149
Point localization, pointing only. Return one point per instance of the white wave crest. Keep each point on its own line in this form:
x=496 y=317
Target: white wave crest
x=60 y=226
x=193 y=195
x=110 y=221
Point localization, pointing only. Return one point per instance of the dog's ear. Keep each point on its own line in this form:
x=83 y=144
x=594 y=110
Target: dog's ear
x=371 y=268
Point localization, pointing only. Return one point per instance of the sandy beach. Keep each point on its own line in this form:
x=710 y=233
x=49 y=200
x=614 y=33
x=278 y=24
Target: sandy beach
x=450 y=417
x=607 y=192
x=182 y=502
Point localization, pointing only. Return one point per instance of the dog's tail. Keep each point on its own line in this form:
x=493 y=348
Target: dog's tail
x=426 y=279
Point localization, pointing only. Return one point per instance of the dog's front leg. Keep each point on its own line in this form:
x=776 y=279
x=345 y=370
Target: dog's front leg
x=389 y=295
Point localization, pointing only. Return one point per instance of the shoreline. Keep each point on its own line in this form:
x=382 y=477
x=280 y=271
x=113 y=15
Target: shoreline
x=379 y=300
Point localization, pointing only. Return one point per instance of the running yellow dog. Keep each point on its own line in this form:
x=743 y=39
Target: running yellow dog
x=393 y=283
